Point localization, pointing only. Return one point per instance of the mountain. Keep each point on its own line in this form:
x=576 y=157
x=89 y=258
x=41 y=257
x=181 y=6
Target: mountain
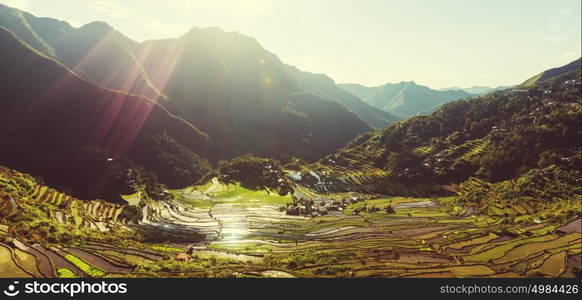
x=363 y=92
x=569 y=71
x=242 y=96
x=226 y=84
x=478 y=90
x=324 y=87
x=494 y=137
x=96 y=52
x=404 y=99
x=83 y=138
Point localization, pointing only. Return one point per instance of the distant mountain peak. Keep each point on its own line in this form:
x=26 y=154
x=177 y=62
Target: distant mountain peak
x=405 y=98
x=212 y=29
x=325 y=87
x=215 y=31
x=97 y=26
x=476 y=89
x=400 y=83
x=217 y=35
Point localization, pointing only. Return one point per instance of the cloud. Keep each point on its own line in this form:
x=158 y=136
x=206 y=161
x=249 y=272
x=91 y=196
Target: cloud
x=20 y=4
x=113 y=9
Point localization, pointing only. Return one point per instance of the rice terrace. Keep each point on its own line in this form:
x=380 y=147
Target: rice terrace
x=220 y=230
x=154 y=150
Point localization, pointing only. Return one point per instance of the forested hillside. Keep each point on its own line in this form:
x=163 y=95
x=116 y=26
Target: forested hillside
x=83 y=138
x=495 y=137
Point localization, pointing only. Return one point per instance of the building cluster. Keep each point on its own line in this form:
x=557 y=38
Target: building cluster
x=321 y=207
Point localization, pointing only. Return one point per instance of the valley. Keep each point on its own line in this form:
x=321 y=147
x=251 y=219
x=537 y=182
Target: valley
x=206 y=155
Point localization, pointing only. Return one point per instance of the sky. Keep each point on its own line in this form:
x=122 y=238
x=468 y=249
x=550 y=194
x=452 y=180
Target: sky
x=438 y=43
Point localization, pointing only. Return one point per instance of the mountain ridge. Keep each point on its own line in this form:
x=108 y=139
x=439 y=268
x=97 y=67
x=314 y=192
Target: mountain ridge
x=404 y=99
x=225 y=83
x=81 y=125
x=478 y=89
x=573 y=68
x=325 y=87
x=482 y=137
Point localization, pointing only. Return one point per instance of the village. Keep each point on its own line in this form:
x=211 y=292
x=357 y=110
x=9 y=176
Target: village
x=323 y=206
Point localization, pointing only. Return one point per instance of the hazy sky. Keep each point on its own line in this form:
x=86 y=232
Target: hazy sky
x=438 y=43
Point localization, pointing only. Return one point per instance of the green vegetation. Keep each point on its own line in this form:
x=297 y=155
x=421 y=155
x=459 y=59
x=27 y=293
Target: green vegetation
x=482 y=137
x=551 y=194
x=175 y=164
x=302 y=259
x=195 y=267
x=380 y=204
x=89 y=162
x=273 y=110
x=83 y=266
x=483 y=187
x=417 y=239
x=165 y=248
x=253 y=173
x=65 y=273
x=250 y=197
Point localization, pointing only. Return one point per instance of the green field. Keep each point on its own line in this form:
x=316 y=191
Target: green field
x=240 y=195
x=85 y=267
